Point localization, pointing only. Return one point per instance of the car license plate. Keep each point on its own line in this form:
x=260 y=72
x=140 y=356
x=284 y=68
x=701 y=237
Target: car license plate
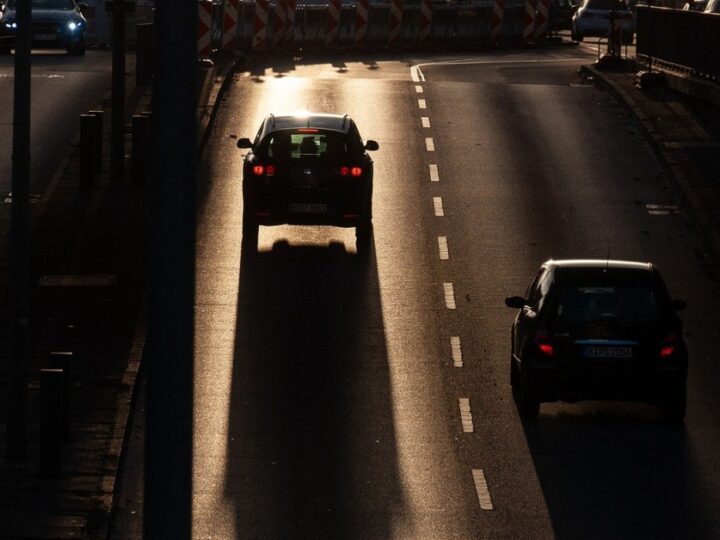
x=44 y=37
x=307 y=208
x=608 y=352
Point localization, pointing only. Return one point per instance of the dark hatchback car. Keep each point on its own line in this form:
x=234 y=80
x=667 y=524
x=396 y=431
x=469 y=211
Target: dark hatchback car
x=597 y=329
x=56 y=24
x=308 y=169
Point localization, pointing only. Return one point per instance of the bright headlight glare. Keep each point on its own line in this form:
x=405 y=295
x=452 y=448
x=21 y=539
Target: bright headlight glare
x=72 y=25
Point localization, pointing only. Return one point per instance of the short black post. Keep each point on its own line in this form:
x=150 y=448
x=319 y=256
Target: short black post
x=51 y=422
x=63 y=360
x=87 y=151
x=144 y=54
x=98 y=157
x=140 y=151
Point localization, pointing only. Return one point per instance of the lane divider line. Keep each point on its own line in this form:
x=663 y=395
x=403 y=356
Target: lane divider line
x=443 y=248
x=438 y=205
x=422 y=104
x=456 y=351
x=425 y=121
x=466 y=415
x=434 y=174
x=449 y=295
x=481 y=487
x=429 y=144
x=419 y=89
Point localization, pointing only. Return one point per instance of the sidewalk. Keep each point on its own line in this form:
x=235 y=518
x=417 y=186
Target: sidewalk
x=690 y=154
x=88 y=270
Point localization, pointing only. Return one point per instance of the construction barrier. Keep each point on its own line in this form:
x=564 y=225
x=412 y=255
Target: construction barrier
x=395 y=22
x=497 y=18
x=290 y=9
x=230 y=25
x=541 y=20
x=333 y=22
x=260 y=31
x=361 y=22
x=529 y=21
x=205 y=25
x=425 y=31
x=279 y=26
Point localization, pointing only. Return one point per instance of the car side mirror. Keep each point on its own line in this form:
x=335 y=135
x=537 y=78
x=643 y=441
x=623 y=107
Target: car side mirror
x=678 y=305
x=244 y=143
x=517 y=302
x=371 y=145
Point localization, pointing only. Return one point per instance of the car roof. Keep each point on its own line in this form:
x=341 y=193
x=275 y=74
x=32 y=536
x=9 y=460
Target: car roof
x=598 y=263
x=336 y=122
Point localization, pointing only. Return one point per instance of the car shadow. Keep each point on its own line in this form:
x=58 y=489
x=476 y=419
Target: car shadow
x=311 y=444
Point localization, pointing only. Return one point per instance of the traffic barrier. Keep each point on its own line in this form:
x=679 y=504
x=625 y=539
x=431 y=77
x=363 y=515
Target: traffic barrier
x=497 y=18
x=259 y=39
x=205 y=14
x=361 y=22
x=529 y=21
x=395 y=22
x=279 y=26
x=51 y=421
x=230 y=25
x=333 y=22
x=290 y=9
x=425 y=30
x=541 y=20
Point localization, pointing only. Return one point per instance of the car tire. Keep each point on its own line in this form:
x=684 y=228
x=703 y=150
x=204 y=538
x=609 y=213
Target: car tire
x=249 y=235
x=674 y=407
x=527 y=402
x=364 y=238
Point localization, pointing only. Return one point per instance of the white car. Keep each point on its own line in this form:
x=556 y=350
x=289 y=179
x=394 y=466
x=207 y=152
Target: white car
x=592 y=18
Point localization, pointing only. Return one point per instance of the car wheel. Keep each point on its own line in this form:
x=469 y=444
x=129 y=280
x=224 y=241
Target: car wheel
x=364 y=238
x=249 y=235
x=674 y=407
x=527 y=402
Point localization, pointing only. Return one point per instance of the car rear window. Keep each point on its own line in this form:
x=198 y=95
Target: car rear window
x=289 y=146
x=591 y=302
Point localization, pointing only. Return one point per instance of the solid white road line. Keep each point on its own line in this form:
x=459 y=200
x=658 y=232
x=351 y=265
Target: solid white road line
x=422 y=104
x=449 y=295
x=443 y=248
x=456 y=351
x=425 y=121
x=419 y=89
x=434 y=174
x=429 y=144
x=466 y=415
x=482 y=490
x=438 y=205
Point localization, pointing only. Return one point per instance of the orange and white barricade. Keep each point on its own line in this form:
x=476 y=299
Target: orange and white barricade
x=290 y=9
x=230 y=25
x=497 y=19
x=361 y=22
x=541 y=20
x=259 y=39
x=333 y=22
x=205 y=13
x=395 y=21
x=529 y=21
x=425 y=30
x=279 y=23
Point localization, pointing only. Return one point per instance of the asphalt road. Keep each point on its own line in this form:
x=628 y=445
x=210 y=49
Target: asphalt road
x=342 y=399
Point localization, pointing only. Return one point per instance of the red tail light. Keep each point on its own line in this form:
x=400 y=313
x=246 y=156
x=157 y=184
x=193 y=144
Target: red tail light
x=258 y=170
x=351 y=171
x=344 y=171
x=668 y=348
x=667 y=351
x=270 y=170
x=546 y=349
x=542 y=339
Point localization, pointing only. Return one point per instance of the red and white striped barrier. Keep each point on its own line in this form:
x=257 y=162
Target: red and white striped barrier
x=279 y=23
x=395 y=21
x=259 y=39
x=361 y=21
x=615 y=34
x=425 y=31
x=529 y=21
x=290 y=9
x=230 y=25
x=497 y=18
x=333 y=22
x=204 y=46
x=541 y=20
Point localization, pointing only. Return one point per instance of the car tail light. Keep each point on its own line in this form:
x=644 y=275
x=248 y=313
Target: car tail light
x=270 y=170
x=669 y=345
x=543 y=342
x=258 y=170
x=351 y=171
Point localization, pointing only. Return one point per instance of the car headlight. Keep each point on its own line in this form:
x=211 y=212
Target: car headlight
x=73 y=25
x=12 y=25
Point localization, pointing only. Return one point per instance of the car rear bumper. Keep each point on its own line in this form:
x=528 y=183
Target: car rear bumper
x=601 y=27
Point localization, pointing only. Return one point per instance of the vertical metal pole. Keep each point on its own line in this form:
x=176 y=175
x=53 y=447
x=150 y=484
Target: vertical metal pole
x=169 y=412
x=20 y=240
x=117 y=135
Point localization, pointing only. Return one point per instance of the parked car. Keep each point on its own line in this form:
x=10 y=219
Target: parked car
x=598 y=329
x=55 y=24
x=592 y=18
x=309 y=169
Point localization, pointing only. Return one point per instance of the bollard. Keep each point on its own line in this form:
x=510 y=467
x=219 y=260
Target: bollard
x=144 y=54
x=140 y=149
x=51 y=421
x=97 y=157
x=87 y=149
x=63 y=360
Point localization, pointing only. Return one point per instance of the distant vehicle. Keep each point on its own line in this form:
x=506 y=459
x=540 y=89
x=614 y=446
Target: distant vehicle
x=592 y=18
x=598 y=329
x=309 y=169
x=697 y=5
x=55 y=24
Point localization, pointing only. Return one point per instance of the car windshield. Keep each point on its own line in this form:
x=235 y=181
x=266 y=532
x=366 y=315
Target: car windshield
x=47 y=4
x=290 y=146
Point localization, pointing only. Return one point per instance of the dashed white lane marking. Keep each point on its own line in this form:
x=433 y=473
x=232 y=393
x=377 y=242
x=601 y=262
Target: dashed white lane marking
x=434 y=174
x=422 y=104
x=456 y=351
x=419 y=89
x=482 y=490
x=443 y=248
x=466 y=415
x=425 y=121
x=449 y=295
x=429 y=144
x=438 y=204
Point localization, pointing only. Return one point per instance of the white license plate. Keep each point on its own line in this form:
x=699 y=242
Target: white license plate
x=608 y=352
x=307 y=208
x=44 y=37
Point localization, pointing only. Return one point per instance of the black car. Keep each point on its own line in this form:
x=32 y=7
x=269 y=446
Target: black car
x=308 y=169
x=55 y=24
x=598 y=329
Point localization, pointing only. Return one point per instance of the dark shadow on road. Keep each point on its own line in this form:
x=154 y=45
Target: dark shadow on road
x=311 y=449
